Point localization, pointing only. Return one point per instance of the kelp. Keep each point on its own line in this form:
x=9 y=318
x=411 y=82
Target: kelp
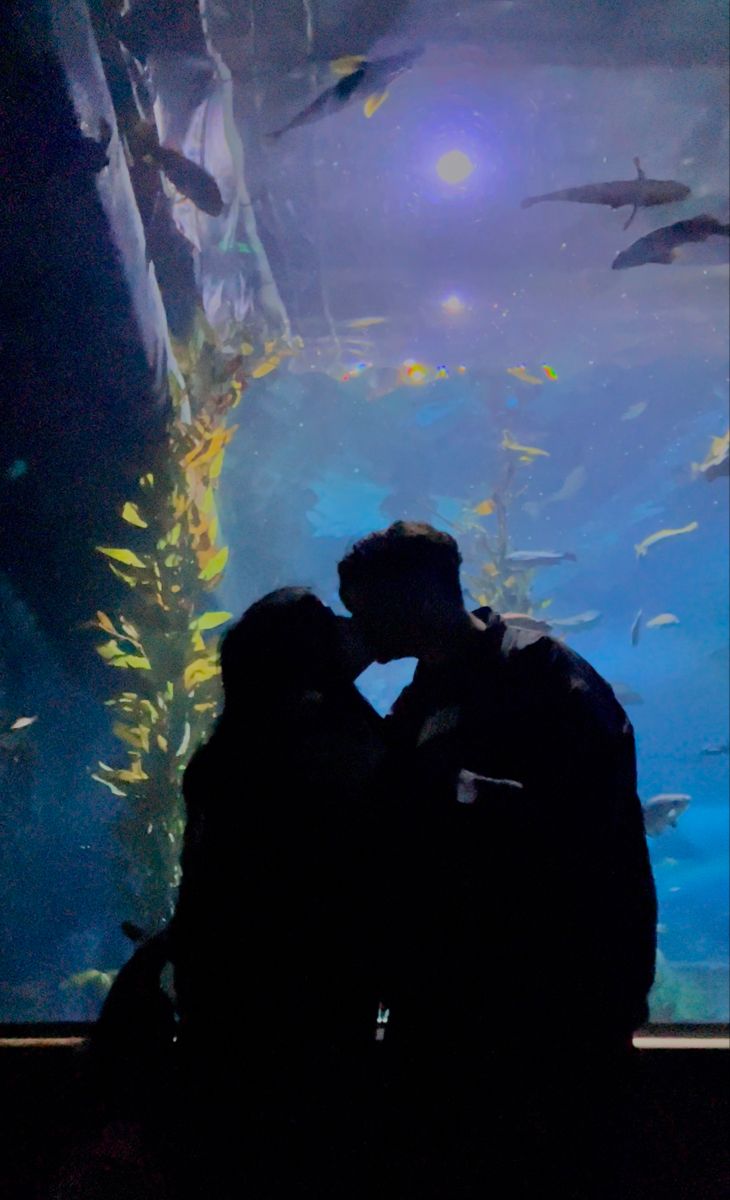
x=165 y=636
x=483 y=534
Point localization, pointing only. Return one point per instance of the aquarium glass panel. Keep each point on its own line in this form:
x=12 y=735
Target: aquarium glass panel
x=300 y=270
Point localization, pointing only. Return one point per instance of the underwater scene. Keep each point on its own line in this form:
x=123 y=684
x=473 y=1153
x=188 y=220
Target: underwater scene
x=287 y=272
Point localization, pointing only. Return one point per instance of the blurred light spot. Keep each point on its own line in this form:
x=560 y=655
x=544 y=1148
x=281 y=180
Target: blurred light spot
x=454 y=167
x=453 y=305
x=414 y=373
x=511 y=402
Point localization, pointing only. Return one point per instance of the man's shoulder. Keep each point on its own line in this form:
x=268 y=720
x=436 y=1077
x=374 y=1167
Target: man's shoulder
x=546 y=662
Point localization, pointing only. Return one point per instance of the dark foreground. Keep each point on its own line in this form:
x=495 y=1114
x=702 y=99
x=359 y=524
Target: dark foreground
x=58 y=1146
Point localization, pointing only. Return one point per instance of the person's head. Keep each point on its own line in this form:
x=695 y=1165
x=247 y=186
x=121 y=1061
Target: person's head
x=402 y=586
x=286 y=642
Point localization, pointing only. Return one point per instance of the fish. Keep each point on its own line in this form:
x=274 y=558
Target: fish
x=625 y=694
x=636 y=628
x=662 y=619
x=717 y=460
x=584 y=620
x=485 y=508
x=642 y=547
x=370 y=79
x=365 y=322
x=526 y=560
x=715 y=748
x=523 y=374
x=618 y=193
x=663 y=811
x=661 y=245
x=17 y=469
x=197 y=184
x=525 y=621
x=100 y=981
x=573 y=483
x=635 y=411
x=509 y=443
x=23 y=722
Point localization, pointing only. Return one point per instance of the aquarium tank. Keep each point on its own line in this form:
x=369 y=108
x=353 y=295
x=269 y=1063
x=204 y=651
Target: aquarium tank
x=278 y=274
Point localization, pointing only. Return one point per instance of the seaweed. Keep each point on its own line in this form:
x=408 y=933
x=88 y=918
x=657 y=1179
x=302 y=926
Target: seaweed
x=491 y=581
x=167 y=636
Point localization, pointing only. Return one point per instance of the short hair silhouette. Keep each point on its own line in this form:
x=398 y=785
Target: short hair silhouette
x=405 y=554
x=285 y=639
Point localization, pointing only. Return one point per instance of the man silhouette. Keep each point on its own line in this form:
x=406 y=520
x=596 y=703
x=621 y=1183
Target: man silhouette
x=525 y=921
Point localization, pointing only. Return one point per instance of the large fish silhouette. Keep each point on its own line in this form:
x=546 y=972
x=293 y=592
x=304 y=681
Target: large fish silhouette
x=639 y=193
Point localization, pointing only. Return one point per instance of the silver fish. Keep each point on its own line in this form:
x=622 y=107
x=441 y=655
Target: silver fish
x=662 y=811
x=525 y=560
x=584 y=620
x=572 y=485
x=713 y=748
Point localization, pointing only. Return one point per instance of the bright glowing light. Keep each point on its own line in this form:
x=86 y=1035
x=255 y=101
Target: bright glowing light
x=453 y=305
x=454 y=167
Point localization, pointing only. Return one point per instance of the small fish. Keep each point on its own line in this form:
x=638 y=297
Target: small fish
x=636 y=628
x=653 y=538
x=571 y=486
x=635 y=411
x=584 y=620
x=663 y=811
x=485 y=508
x=373 y=103
x=714 y=748
x=626 y=694
x=662 y=619
x=717 y=461
x=23 y=722
x=526 y=560
x=525 y=621
x=346 y=64
x=365 y=322
x=98 y=981
x=523 y=374
x=618 y=193
x=662 y=245
x=188 y=177
x=370 y=79
x=509 y=443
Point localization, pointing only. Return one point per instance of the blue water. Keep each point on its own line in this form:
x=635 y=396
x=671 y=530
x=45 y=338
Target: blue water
x=357 y=223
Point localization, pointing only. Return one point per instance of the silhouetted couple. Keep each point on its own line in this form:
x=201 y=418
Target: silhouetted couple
x=409 y=953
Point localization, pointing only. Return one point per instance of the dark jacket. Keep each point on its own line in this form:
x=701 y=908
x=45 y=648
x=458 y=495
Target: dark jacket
x=542 y=901
x=273 y=931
